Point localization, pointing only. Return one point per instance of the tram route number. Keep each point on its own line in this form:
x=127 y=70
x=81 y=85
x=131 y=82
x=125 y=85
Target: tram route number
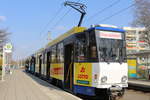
x=82 y=76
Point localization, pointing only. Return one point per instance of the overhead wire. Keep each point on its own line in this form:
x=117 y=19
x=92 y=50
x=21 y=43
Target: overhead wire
x=49 y=22
x=60 y=19
x=116 y=13
x=104 y=9
x=52 y=19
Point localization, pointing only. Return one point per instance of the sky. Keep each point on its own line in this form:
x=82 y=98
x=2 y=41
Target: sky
x=30 y=21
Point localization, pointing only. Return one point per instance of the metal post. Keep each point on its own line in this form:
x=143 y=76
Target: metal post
x=3 y=65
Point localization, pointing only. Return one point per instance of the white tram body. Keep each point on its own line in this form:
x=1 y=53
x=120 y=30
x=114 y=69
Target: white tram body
x=109 y=75
x=110 y=72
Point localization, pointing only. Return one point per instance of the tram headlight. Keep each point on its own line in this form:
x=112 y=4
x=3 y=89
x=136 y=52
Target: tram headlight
x=124 y=79
x=104 y=79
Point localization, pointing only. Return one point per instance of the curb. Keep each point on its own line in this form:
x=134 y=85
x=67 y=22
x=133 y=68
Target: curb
x=140 y=87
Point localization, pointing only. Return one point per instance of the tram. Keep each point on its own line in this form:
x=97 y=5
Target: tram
x=89 y=61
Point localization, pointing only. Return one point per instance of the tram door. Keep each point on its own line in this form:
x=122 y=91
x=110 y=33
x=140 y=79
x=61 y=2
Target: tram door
x=40 y=64
x=68 y=67
x=48 y=66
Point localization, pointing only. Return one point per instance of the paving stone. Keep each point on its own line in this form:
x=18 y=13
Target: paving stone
x=23 y=86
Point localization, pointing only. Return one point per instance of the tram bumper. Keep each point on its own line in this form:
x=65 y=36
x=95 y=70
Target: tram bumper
x=116 y=91
x=115 y=88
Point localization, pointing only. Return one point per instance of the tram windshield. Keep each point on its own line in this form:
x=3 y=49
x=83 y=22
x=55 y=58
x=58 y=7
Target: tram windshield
x=111 y=49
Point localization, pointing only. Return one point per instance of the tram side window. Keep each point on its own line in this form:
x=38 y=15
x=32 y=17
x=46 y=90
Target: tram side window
x=60 y=54
x=53 y=55
x=92 y=47
x=81 y=47
x=43 y=59
x=36 y=60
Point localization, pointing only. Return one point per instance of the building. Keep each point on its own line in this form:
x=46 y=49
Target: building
x=134 y=40
x=138 y=52
x=139 y=65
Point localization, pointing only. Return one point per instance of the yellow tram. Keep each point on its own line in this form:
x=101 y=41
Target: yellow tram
x=84 y=61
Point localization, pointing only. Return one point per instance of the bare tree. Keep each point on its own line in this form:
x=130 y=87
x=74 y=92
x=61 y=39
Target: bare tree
x=3 y=37
x=142 y=17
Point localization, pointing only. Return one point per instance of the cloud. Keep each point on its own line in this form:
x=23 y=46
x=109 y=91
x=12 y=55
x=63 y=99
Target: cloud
x=2 y=18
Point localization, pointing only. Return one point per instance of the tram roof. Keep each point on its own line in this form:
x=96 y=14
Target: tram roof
x=107 y=29
x=40 y=50
x=74 y=30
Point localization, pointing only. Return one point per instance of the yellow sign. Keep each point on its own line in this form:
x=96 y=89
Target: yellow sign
x=132 y=68
x=83 y=74
x=57 y=71
x=131 y=62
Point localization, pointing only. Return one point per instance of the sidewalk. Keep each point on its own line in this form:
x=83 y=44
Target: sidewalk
x=139 y=85
x=23 y=86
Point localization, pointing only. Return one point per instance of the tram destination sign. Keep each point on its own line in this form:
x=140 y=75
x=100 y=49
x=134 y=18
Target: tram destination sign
x=110 y=35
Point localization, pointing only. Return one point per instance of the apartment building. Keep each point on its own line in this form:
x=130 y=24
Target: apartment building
x=134 y=40
x=138 y=48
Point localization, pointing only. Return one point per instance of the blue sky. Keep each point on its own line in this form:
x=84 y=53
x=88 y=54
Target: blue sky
x=26 y=20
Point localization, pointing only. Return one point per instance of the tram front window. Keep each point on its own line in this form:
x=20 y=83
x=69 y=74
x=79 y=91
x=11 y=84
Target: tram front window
x=111 y=50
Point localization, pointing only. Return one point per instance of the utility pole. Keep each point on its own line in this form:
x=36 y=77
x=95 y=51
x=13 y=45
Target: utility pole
x=79 y=7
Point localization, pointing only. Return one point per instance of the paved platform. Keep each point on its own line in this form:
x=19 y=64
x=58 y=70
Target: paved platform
x=23 y=86
x=139 y=85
